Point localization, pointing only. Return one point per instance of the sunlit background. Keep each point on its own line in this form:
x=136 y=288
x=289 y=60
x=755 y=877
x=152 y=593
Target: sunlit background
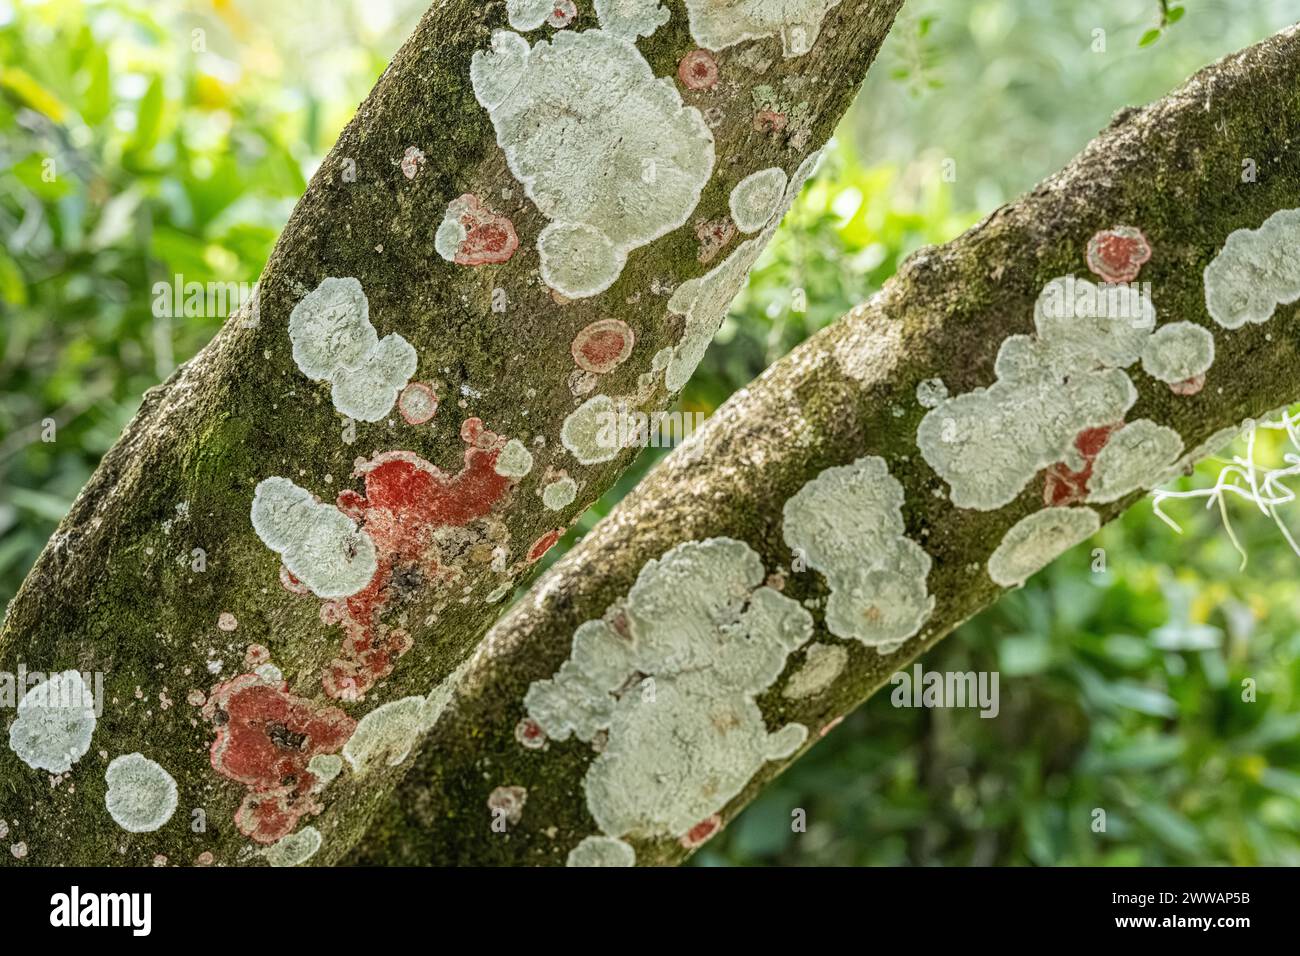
x=181 y=133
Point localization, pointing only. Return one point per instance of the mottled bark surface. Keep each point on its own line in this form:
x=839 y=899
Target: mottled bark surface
x=1173 y=169
x=121 y=588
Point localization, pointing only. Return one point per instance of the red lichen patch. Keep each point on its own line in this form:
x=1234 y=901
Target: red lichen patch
x=714 y=234
x=542 y=545
x=406 y=501
x=769 y=121
x=1188 y=386
x=564 y=13
x=529 y=734
x=256 y=655
x=1063 y=485
x=265 y=739
x=417 y=403
x=698 y=70
x=702 y=832
x=1117 y=254
x=412 y=160
x=489 y=236
x=603 y=345
x=292 y=584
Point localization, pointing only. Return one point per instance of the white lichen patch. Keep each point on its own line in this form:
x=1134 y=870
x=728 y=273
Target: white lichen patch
x=1256 y=271
x=320 y=545
x=1136 y=456
x=54 y=723
x=325 y=767
x=528 y=14
x=333 y=341
x=385 y=736
x=988 y=444
x=1177 y=352
x=1037 y=540
x=141 y=794
x=514 y=460
x=631 y=18
x=590 y=431
x=559 y=494
x=704 y=300
x=451 y=231
x=606 y=151
x=931 y=393
x=716 y=26
x=821 y=665
x=441 y=696
x=601 y=851
x=294 y=849
x=757 y=197
x=848 y=524
x=674 y=687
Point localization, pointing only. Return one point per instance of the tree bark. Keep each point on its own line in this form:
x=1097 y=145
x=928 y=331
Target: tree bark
x=158 y=580
x=1214 y=156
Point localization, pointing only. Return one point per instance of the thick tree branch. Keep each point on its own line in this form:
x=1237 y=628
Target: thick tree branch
x=1215 y=156
x=632 y=152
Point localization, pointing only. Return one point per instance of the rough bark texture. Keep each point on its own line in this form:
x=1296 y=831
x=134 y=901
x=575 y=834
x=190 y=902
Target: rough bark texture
x=1173 y=169
x=117 y=590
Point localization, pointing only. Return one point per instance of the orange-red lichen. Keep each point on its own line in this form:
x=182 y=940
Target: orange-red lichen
x=1063 y=485
x=543 y=544
x=603 y=345
x=406 y=501
x=702 y=832
x=1117 y=254
x=265 y=739
x=478 y=235
x=698 y=70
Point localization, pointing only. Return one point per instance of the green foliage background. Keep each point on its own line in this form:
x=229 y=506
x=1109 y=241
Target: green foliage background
x=143 y=140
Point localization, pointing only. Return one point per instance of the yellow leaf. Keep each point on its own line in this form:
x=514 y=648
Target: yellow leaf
x=24 y=86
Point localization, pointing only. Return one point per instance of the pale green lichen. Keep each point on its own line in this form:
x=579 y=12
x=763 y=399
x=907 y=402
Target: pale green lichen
x=1177 y=352
x=822 y=664
x=385 y=736
x=141 y=795
x=631 y=18
x=514 y=460
x=989 y=444
x=601 y=851
x=54 y=723
x=1037 y=540
x=704 y=300
x=1256 y=271
x=605 y=150
x=716 y=26
x=1136 y=456
x=757 y=197
x=334 y=341
x=559 y=494
x=294 y=849
x=320 y=545
x=848 y=524
x=673 y=690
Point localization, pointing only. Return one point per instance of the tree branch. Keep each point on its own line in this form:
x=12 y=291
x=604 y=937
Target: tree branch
x=596 y=756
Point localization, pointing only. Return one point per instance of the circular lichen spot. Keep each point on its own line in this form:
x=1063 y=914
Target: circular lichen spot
x=141 y=794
